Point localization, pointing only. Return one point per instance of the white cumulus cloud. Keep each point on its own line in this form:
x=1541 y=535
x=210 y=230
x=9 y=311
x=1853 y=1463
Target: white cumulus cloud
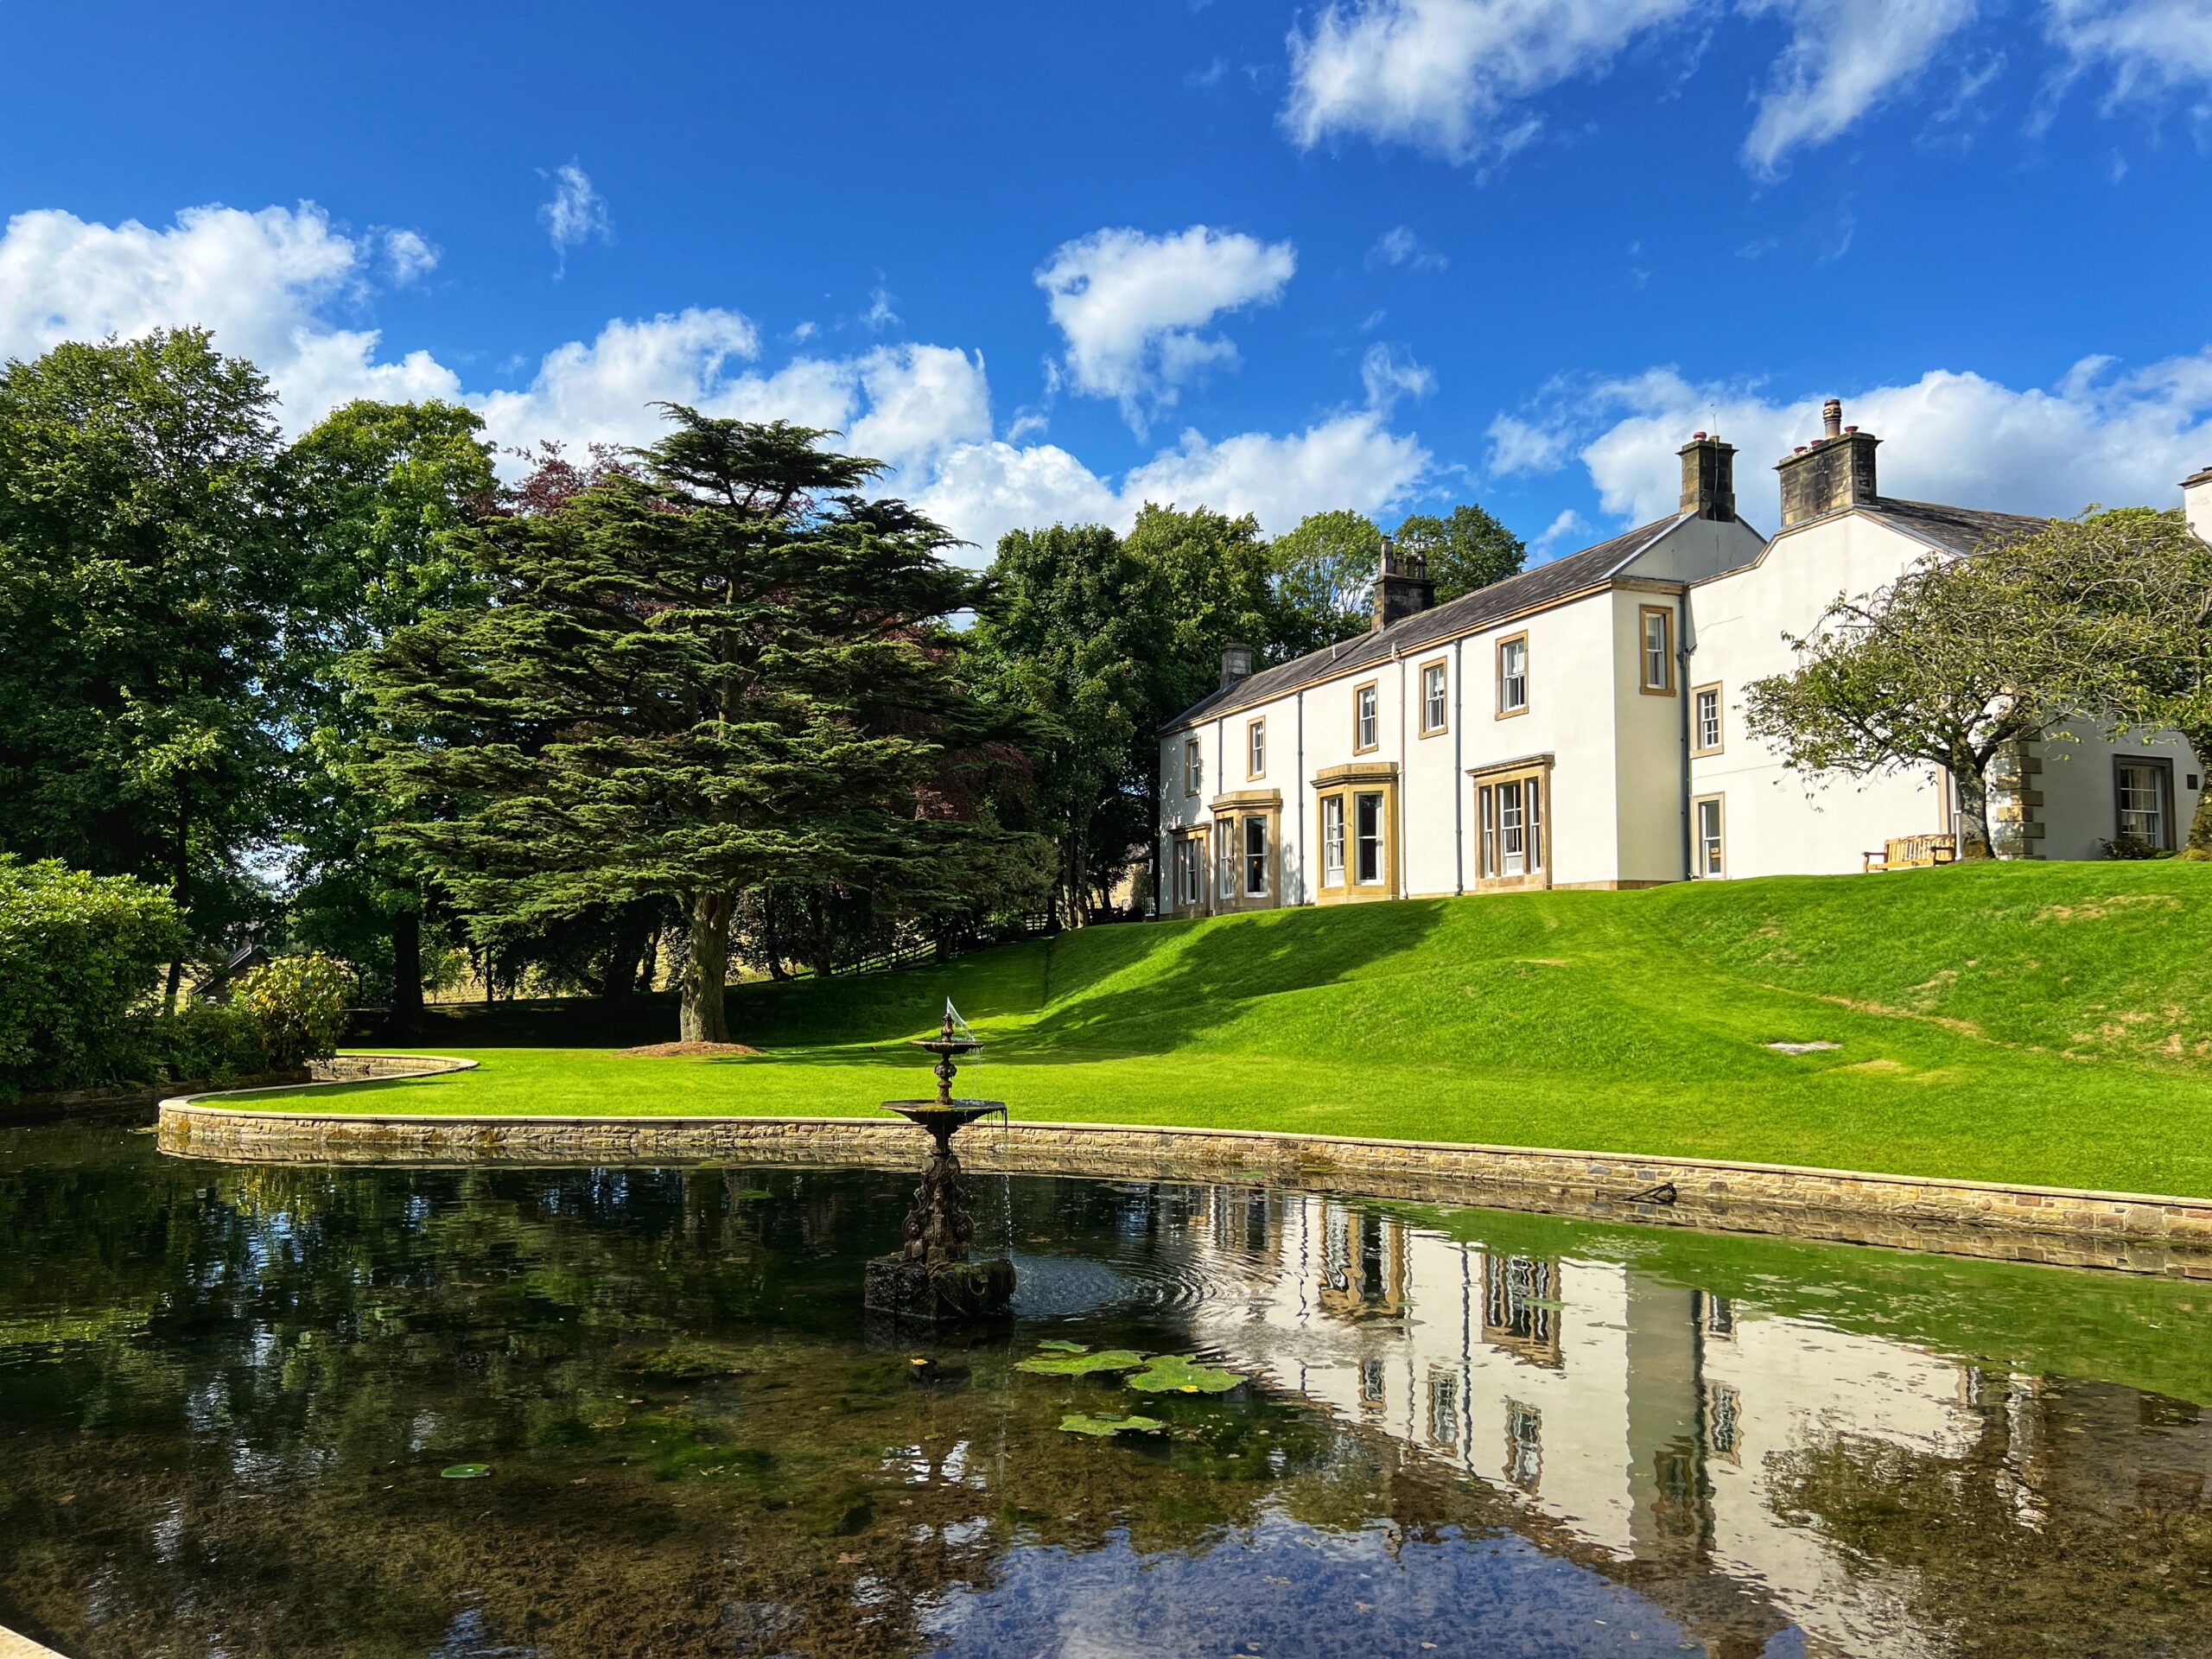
x=2101 y=434
x=260 y=282
x=1133 y=308
x=1844 y=57
x=268 y=285
x=1451 y=76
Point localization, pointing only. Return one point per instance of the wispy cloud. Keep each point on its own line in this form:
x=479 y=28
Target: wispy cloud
x=577 y=214
x=1400 y=248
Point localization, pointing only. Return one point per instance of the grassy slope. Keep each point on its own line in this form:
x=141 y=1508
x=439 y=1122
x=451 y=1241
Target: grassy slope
x=2033 y=1022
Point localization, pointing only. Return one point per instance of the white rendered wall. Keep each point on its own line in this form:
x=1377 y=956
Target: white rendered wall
x=1778 y=822
x=2196 y=502
x=2081 y=808
x=1781 y=823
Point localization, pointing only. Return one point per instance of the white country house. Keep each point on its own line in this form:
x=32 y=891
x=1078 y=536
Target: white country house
x=1580 y=725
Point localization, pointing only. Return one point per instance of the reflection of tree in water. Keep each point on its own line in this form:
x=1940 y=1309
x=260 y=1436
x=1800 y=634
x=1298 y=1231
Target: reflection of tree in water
x=233 y=1442
x=2076 y=1525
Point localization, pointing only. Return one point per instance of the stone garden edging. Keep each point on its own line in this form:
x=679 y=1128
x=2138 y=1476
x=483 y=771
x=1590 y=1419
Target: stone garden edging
x=2136 y=1232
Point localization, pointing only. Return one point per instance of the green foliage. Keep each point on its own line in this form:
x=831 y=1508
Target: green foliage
x=725 y=669
x=300 y=1003
x=1104 y=1428
x=382 y=493
x=2128 y=596
x=1467 y=550
x=1071 y=638
x=2046 y=1023
x=1114 y=1359
x=1940 y=669
x=78 y=954
x=144 y=576
x=207 y=1042
x=1183 y=1374
x=1325 y=577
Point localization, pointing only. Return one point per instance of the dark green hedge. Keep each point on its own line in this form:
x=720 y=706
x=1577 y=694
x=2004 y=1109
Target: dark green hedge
x=79 y=956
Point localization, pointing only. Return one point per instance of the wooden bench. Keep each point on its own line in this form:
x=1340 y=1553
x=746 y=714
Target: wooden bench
x=1912 y=853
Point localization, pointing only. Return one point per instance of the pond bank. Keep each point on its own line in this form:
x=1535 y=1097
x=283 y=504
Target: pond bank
x=2133 y=1232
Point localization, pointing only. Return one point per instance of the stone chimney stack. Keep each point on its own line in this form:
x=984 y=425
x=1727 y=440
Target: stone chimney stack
x=1836 y=471
x=1236 y=665
x=1402 y=588
x=2196 y=502
x=1709 y=477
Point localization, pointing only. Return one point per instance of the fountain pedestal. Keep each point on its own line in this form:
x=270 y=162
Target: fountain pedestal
x=932 y=1279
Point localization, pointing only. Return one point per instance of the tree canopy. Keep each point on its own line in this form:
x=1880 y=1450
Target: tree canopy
x=726 y=668
x=145 y=572
x=1325 y=577
x=1467 y=550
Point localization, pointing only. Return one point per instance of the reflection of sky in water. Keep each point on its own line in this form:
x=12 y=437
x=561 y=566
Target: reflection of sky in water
x=225 y=1397
x=1281 y=1588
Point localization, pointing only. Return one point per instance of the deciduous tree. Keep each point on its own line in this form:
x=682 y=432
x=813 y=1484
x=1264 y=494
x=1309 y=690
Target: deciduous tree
x=145 y=566
x=1942 y=668
x=1466 y=550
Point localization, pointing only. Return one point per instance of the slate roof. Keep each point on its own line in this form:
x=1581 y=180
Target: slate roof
x=1468 y=614
x=1961 y=529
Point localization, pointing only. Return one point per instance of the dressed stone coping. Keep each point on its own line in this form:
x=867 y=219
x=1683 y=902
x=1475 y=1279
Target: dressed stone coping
x=2133 y=1232
x=13 y=1646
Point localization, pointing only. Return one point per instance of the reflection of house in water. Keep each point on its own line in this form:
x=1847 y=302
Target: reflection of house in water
x=1638 y=1414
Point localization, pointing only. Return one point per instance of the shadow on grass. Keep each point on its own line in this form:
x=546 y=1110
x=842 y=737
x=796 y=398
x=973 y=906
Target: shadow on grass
x=1155 y=992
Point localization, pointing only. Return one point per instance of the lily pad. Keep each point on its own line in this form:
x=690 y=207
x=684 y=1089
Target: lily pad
x=1062 y=1346
x=1114 y=1359
x=466 y=1471
x=1106 y=1428
x=752 y=1193
x=1182 y=1374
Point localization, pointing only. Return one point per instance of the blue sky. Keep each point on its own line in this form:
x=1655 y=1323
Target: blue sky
x=1055 y=261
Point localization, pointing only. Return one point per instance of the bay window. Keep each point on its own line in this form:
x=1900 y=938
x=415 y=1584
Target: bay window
x=1512 y=825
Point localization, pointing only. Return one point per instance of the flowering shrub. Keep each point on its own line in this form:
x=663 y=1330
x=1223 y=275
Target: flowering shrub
x=301 y=1004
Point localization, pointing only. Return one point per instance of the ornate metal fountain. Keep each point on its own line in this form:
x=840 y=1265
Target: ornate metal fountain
x=933 y=1278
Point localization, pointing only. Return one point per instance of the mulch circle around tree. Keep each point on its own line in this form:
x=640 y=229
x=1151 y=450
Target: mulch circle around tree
x=667 y=1050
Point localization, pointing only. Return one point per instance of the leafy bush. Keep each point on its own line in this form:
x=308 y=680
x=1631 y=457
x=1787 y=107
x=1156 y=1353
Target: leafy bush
x=2130 y=848
x=77 y=952
x=214 y=1042
x=300 y=1002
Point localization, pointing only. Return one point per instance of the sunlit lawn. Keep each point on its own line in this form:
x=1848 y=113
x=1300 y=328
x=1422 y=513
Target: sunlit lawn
x=2045 y=1023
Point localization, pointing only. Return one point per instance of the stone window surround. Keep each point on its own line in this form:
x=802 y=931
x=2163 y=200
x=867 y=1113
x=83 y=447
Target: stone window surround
x=1720 y=718
x=1519 y=638
x=1367 y=778
x=1644 y=615
x=1539 y=768
x=1232 y=809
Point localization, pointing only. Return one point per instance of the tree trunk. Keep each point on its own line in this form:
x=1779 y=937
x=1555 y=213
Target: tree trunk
x=1973 y=812
x=631 y=927
x=2199 y=843
x=407 y=971
x=180 y=874
x=704 y=1017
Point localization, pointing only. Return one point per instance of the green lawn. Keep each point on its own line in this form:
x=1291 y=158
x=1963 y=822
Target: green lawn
x=2037 y=1022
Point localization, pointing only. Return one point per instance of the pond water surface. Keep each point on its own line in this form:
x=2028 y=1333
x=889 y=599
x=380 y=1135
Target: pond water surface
x=227 y=1396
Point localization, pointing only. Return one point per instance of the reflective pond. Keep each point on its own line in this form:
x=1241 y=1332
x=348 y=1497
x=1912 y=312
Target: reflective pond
x=229 y=1398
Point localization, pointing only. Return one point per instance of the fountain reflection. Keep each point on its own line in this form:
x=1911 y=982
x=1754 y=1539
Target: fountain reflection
x=227 y=1394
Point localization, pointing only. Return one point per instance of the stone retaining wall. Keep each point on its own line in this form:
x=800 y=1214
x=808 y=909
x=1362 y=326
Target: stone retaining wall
x=2132 y=1231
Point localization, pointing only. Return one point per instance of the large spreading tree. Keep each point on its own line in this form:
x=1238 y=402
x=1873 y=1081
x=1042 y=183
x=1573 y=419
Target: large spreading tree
x=725 y=668
x=1943 y=669
x=146 y=566
x=382 y=493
